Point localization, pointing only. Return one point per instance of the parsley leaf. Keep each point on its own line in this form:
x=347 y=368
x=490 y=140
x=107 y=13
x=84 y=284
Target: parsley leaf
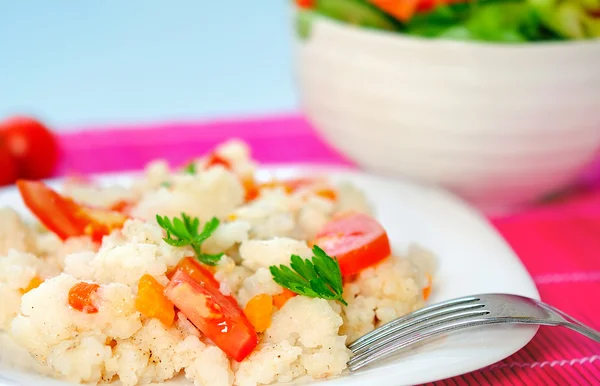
x=319 y=277
x=184 y=231
x=190 y=168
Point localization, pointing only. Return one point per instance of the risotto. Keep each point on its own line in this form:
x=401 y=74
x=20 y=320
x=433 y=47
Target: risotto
x=200 y=271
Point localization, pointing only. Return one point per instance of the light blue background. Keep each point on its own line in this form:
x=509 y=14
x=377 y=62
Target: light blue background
x=111 y=61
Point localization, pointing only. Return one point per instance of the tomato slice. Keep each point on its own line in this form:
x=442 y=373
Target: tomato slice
x=357 y=240
x=65 y=217
x=429 y=5
x=196 y=271
x=214 y=159
x=216 y=315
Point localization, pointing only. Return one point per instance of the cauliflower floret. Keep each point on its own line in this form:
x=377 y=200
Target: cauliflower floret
x=48 y=327
x=147 y=356
x=14 y=355
x=155 y=354
x=208 y=365
x=261 y=282
x=264 y=253
x=98 y=196
x=127 y=255
x=313 y=325
x=17 y=269
x=313 y=216
x=14 y=233
x=156 y=174
x=226 y=236
x=276 y=213
x=351 y=199
x=238 y=154
x=272 y=214
x=56 y=250
x=81 y=359
x=230 y=275
x=381 y=294
x=215 y=192
x=270 y=362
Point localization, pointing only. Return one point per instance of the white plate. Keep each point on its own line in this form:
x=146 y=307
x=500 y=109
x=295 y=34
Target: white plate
x=473 y=259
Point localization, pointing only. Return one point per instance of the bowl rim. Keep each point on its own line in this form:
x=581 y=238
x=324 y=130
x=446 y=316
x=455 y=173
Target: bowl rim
x=396 y=37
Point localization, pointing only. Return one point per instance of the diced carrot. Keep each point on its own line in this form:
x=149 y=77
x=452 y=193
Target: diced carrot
x=259 y=311
x=215 y=159
x=277 y=184
x=110 y=342
x=33 y=283
x=328 y=194
x=121 y=206
x=280 y=299
x=427 y=288
x=251 y=188
x=151 y=301
x=81 y=297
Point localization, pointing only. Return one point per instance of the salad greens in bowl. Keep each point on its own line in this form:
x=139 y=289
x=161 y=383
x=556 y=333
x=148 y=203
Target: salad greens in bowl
x=498 y=101
x=508 y=21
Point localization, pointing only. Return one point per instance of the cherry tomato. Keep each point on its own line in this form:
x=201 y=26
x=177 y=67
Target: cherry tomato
x=357 y=240
x=214 y=314
x=404 y=10
x=8 y=167
x=32 y=145
x=305 y=3
x=65 y=217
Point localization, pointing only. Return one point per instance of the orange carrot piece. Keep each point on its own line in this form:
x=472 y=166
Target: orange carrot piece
x=152 y=302
x=329 y=194
x=33 y=283
x=259 y=311
x=280 y=299
x=427 y=288
x=81 y=297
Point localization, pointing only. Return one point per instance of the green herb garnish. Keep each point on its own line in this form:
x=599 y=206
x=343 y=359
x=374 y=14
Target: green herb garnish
x=190 y=168
x=184 y=231
x=319 y=277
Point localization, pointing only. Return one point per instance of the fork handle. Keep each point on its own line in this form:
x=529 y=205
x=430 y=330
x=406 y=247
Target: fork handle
x=574 y=324
x=583 y=330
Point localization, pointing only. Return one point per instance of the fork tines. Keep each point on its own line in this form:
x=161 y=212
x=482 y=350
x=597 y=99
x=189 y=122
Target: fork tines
x=421 y=324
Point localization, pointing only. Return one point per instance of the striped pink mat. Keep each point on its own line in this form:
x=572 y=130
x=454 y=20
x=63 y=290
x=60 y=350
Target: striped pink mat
x=558 y=243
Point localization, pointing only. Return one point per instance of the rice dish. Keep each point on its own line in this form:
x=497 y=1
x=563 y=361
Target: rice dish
x=114 y=292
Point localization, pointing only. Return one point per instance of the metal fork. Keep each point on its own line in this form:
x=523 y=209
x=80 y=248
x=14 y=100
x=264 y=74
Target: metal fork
x=458 y=314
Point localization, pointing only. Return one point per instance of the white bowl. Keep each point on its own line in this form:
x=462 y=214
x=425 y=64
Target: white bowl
x=498 y=124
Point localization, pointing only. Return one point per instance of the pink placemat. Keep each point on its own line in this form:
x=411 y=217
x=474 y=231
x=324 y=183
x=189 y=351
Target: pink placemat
x=558 y=243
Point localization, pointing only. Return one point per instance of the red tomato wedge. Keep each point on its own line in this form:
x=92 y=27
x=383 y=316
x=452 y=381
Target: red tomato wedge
x=357 y=240
x=404 y=10
x=197 y=271
x=216 y=315
x=65 y=217
x=429 y=5
x=215 y=159
x=305 y=3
